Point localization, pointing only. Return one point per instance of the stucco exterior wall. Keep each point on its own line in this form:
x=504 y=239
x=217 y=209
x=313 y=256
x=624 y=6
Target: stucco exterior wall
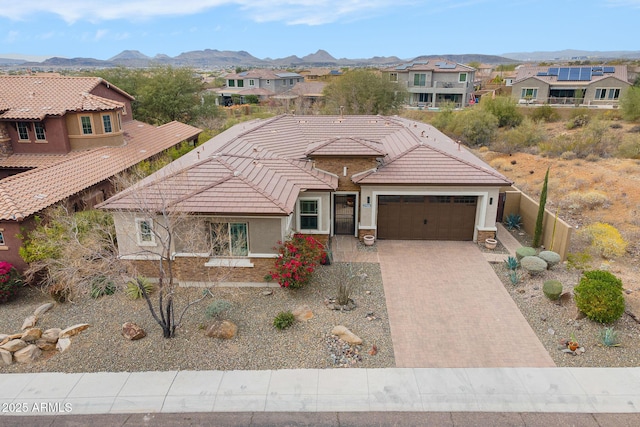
x=324 y=219
x=79 y=141
x=57 y=141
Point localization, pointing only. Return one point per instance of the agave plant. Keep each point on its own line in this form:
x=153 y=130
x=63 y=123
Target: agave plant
x=609 y=337
x=513 y=221
x=511 y=263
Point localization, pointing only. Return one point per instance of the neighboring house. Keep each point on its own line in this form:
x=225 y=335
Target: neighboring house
x=310 y=92
x=320 y=74
x=259 y=82
x=600 y=85
x=435 y=82
x=61 y=140
x=263 y=180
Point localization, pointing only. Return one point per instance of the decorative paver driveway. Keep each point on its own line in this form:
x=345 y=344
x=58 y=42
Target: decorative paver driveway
x=447 y=308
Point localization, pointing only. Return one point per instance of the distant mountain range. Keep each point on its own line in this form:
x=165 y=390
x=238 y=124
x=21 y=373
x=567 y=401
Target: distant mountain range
x=212 y=58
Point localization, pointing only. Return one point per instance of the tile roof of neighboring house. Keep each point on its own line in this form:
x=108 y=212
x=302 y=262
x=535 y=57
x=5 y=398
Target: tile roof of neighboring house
x=439 y=65
x=26 y=193
x=261 y=73
x=260 y=167
x=244 y=92
x=34 y=97
x=523 y=73
x=304 y=89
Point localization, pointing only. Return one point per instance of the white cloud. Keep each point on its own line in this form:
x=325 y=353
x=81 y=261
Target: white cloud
x=309 y=12
x=100 y=34
x=11 y=37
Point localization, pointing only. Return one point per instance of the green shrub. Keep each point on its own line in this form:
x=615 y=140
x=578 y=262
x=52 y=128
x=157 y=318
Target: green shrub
x=586 y=200
x=552 y=289
x=477 y=127
x=283 y=320
x=629 y=148
x=603 y=276
x=134 y=287
x=533 y=265
x=524 y=251
x=600 y=297
x=216 y=308
x=545 y=113
x=579 y=260
x=504 y=108
x=606 y=240
x=101 y=286
x=630 y=104
x=10 y=281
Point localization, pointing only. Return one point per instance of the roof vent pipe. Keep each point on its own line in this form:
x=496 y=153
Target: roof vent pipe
x=342 y=112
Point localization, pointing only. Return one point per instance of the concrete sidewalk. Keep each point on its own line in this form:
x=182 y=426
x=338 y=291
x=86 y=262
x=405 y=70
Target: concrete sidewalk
x=531 y=390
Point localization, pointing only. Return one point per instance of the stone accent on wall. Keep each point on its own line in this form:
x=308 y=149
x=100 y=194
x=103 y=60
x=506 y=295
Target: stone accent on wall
x=192 y=269
x=354 y=165
x=483 y=235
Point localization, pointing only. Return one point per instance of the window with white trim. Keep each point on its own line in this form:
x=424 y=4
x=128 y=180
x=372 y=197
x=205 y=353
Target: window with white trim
x=2 y=243
x=614 y=93
x=240 y=83
x=38 y=129
x=462 y=77
x=252 y=82
x=229 y=239
x=23 y=131
x=393 y=77
x=529 y=93
x=144 y=231
x=309 y=214
x=87 y=128
x=231 y=83
x=106 y=123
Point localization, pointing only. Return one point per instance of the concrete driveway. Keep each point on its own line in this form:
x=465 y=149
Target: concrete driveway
x=447 y=309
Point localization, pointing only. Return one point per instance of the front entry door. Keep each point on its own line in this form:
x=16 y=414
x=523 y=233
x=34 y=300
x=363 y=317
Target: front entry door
x=344 y=214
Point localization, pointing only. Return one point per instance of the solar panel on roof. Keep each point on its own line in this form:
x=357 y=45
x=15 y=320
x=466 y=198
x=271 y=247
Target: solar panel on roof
x=585 y=74
x=563 y=74
x=596 y=68
x=541 y=73
x=597 y=73
x=609 y=69
x=574 y=73
x=553 y=71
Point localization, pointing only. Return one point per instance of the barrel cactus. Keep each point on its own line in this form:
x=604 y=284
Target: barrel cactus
x=533 y=265
x=552 y=289
x=552 y=258
x=524 y=251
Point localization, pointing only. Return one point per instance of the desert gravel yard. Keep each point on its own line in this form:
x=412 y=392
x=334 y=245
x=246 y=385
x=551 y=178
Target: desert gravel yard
x=257 y=345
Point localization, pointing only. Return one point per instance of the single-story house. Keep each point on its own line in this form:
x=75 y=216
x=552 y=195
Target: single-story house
x=260 y=181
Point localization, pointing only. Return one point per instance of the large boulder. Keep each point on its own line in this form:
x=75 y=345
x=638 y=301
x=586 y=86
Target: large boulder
x=524 y=251
x=132 y=332
x=223 y=329
x=51 y=335
x=63 y=344
x=552 y=289
x=31 y=335
x=45 y=345
x=42 y=309
x=29 y=322
x=346 y=335
x=302 y=313
x=533 y=265
x=73 y=330
x=6 y=356
x=28 y=354
x=14 y=345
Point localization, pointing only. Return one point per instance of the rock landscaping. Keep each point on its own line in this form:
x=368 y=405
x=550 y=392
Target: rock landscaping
x=109 y=344
x=28 y=346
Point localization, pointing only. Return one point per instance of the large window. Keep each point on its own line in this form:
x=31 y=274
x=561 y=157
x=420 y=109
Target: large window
x=87 y=128
x=229 y=239
x=419 y=79
x=38 y=128
x=252 y=82
x=23 y=131
x=529 y=93
x=240 y=83
x=144 y=231
x=106 y=123
x=309 y=214
x=614 y=93
x=232 y=83
x=462 y=77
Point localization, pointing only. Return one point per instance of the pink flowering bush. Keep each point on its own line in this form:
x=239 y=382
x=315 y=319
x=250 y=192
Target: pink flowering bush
x=298 y=259
x=9 y=281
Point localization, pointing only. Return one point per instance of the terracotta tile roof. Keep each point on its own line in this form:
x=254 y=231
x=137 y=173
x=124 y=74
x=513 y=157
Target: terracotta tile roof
x=34 y=97
x=26 y=193
x=438 y=65
x=35 y=160
x=340 y=146
x=262 y=165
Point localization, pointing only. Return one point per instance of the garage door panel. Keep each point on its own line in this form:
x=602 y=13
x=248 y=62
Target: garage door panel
x=426 y=217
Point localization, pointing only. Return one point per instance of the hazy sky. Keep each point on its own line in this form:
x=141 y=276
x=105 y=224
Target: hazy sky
x=344 y=28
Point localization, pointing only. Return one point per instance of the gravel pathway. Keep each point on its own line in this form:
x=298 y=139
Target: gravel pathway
x=257 y=345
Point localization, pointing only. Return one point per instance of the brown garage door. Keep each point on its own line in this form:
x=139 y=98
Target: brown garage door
x=426 y=217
